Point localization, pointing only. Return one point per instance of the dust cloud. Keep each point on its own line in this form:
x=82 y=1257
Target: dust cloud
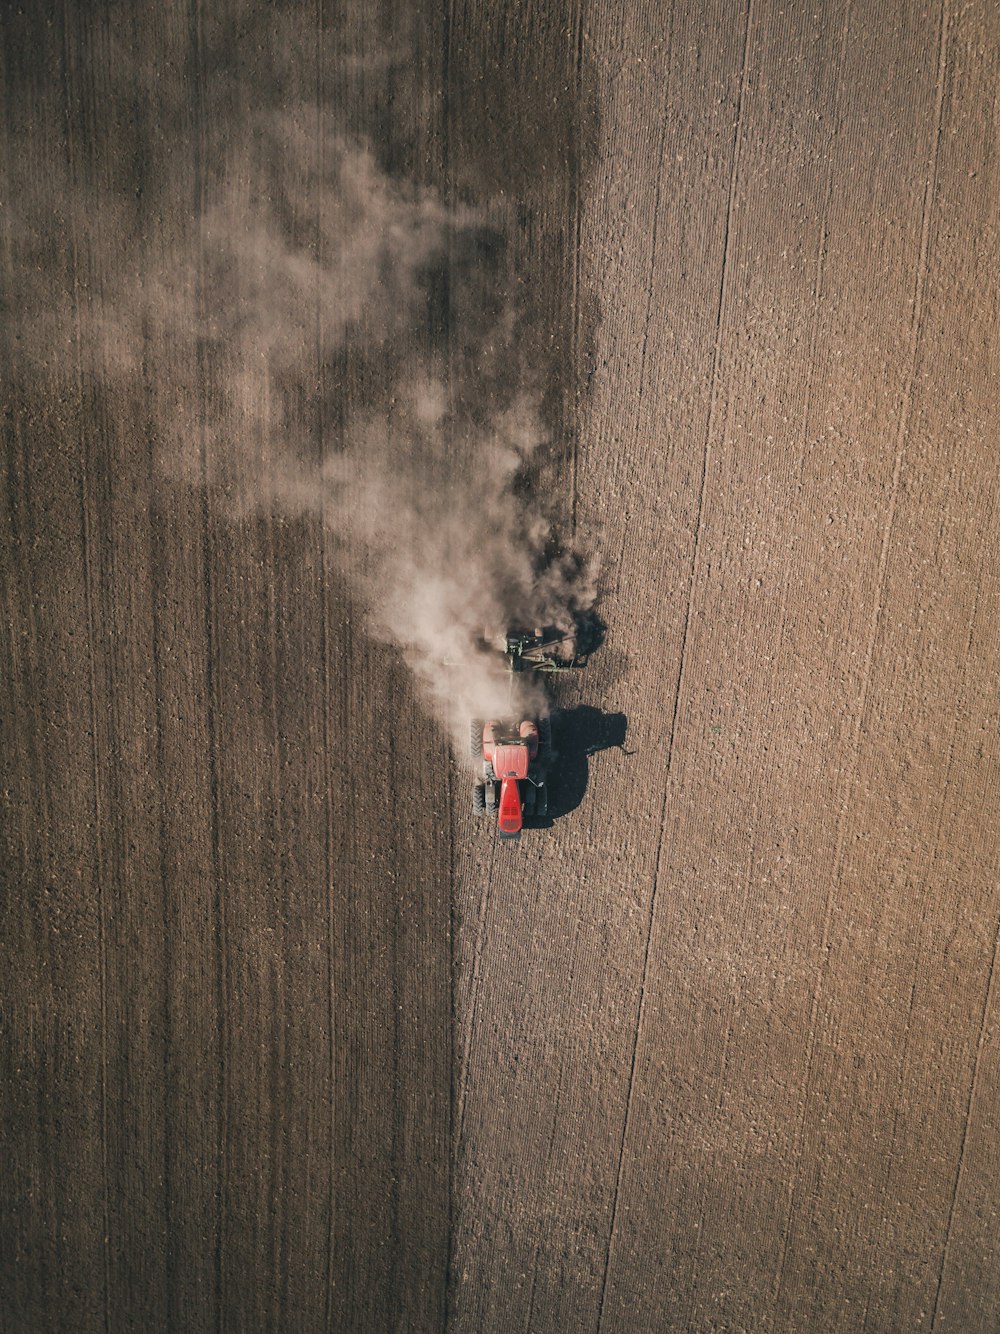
x=390 y=336
x=323 y=338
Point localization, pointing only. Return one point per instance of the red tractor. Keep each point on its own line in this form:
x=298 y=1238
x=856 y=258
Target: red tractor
x=512 y=757
x=514 y=760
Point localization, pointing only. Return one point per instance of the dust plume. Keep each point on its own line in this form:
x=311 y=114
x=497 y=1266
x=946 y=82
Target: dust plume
x=346 y=344
x=420 y=485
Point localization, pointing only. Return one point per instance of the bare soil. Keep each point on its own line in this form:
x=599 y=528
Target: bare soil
x=290 y=1042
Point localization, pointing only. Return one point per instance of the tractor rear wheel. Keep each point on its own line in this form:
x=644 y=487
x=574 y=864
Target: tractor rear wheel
x=478 y=798
x=545 y=735
x=476 y=739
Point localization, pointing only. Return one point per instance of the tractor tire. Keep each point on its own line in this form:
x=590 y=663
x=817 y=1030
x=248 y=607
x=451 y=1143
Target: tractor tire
x=542 y=802
x=479 y=798
x=530 y=804
x=491 y=796
x=545 y=735
x=476 y=739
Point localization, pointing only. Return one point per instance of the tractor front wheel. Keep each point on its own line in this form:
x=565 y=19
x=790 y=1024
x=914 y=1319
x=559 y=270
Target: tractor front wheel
x=479 y=798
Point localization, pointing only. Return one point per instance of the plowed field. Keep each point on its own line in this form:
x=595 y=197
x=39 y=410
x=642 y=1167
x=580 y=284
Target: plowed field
x=289 y=1040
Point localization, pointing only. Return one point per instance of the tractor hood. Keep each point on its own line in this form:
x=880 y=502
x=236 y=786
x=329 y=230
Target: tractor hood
x=509 y=819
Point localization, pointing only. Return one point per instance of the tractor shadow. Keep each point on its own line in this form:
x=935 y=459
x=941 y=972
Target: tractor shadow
x=578 y=734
